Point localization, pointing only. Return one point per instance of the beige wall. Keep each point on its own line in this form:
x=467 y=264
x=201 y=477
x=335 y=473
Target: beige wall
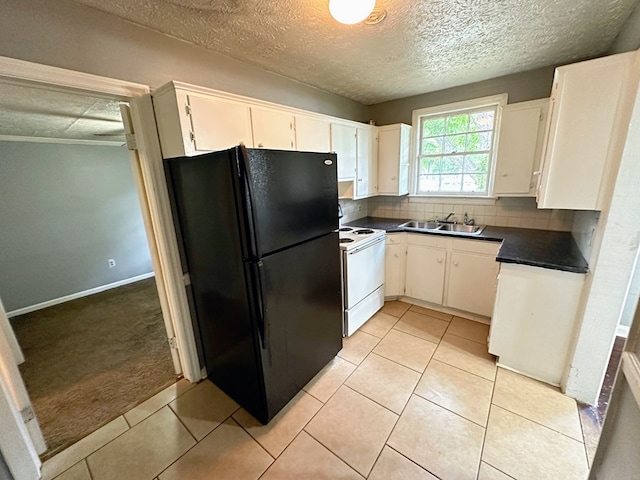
x=521 y=87
x=68 y=35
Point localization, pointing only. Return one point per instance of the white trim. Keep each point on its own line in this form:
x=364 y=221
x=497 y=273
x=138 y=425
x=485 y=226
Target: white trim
x=74 y=296
x=63 y=141
x=15 y=69
x=622 y=331
x=500 y=100
x=454 y=200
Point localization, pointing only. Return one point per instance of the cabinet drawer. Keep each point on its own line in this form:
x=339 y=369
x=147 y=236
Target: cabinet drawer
x=425 y=240
x=476 y=246
x=395 y=238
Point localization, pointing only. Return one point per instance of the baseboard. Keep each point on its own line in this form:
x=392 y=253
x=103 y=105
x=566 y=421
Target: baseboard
x=622 y=331
x=74 y=296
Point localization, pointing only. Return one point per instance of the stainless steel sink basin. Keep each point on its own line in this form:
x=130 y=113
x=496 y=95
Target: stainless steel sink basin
x=439 y=227
x=456 y=227
x=421 y=225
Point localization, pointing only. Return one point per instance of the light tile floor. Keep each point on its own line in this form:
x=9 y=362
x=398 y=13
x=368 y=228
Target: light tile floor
x=412 y=395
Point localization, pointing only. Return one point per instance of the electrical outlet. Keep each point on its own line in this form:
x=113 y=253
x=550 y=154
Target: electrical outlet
x=359 y=208
x=111 y=262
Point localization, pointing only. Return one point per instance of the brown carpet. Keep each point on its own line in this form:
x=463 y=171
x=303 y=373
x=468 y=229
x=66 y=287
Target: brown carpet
x=89 y=360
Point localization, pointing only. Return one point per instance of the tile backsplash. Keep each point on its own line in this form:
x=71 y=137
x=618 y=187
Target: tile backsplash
x=353 y=209
x=504 y=212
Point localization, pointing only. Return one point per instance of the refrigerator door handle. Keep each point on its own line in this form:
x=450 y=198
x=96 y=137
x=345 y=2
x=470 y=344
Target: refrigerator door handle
x=253 y=231
x=263 y=325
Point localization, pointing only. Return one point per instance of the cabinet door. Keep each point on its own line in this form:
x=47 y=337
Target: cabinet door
x=344 y=144
x=425 y=273
x=217 y=125
x=393 y=159
x=272 y=129
x=366 y=165
x=586 y=103
x=313 y=135
x=520 y=148
x=394 y=263
x=472 y=283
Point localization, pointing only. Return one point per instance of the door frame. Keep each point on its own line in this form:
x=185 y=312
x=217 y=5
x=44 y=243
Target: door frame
x=152 y=192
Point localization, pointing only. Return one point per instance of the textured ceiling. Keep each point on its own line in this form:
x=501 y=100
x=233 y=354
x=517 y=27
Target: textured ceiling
x=28 y=111
x=422 y=45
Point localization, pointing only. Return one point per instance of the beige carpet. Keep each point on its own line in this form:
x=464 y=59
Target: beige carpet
x=91 y=359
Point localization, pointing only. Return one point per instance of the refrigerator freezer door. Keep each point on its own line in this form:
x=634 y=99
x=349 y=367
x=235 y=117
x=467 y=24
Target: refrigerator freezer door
x=293 y=197
x=302 y=307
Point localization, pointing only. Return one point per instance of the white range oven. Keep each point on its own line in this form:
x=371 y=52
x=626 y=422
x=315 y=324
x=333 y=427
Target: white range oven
x=362 y=262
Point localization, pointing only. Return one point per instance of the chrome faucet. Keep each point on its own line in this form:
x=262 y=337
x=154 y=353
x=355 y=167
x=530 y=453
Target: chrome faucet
x=446 y=219
x=468 y=221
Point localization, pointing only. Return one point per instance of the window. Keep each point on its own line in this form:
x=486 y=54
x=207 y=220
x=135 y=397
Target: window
x=455 y=147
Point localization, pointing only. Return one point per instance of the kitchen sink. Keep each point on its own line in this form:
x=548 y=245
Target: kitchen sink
x=440 y=227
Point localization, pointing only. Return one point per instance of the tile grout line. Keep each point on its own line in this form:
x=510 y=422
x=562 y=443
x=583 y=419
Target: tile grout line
x=486 y=429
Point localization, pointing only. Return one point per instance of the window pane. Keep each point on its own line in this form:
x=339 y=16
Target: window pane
x=432 y=146
x=481 y=121
x=430 y=165
x=475 y=183
x=457 y=124
x=455 y=143
x=451 y=183
x=479 y=142
x=433 y=127
x=429 y=183
x=476 y=163
x=452 y=164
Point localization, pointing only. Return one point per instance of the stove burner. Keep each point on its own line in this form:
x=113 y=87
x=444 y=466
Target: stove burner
x=346 y=240
x=345 y=229
x=363 y=231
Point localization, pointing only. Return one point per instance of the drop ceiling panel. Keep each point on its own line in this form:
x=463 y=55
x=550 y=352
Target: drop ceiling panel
x=421 y=46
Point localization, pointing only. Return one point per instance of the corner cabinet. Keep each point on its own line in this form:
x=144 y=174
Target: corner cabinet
x=520 y=145
x=393 y=159
x=590 y=108
x=534 y=320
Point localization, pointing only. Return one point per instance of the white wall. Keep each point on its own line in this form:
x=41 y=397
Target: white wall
x=66 y=209
x=69 y=35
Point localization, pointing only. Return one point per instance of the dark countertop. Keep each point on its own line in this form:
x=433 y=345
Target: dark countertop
x=525 y=246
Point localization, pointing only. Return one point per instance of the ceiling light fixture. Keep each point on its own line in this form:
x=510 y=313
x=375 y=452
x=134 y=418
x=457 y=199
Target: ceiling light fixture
x=351 y=11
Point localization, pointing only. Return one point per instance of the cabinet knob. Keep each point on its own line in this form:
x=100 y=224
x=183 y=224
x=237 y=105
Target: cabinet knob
x=260 y=145
x=439 y=260
x=455 y=263
x=393 y=178
x=536 y=173
x=396 y=255
x=359 y=179
x=504 y=174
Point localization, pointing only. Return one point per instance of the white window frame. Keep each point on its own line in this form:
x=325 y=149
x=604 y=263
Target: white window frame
x=499 y=101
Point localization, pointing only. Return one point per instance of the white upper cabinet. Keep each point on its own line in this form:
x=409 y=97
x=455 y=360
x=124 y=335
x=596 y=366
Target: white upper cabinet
x=272 y=129
x=393 y=159
x=312 y=134
x=589 y=113
x=344 y=144
x=366 y=161
x=520 y=147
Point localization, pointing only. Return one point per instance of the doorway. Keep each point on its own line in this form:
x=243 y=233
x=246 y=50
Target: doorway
x=94 y=339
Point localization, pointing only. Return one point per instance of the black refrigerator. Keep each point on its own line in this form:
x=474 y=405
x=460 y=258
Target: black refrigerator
x=257 y=235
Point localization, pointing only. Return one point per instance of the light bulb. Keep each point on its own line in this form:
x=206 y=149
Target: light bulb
x=351 y=11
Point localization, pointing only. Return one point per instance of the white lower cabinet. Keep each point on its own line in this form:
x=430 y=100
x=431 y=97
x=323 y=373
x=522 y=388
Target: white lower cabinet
x=473 y=274
x=453 y=272
x=426 y=266
x=534 y=320
x=394 y=259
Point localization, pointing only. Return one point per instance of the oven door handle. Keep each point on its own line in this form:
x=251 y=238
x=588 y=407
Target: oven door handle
x=370 y=244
